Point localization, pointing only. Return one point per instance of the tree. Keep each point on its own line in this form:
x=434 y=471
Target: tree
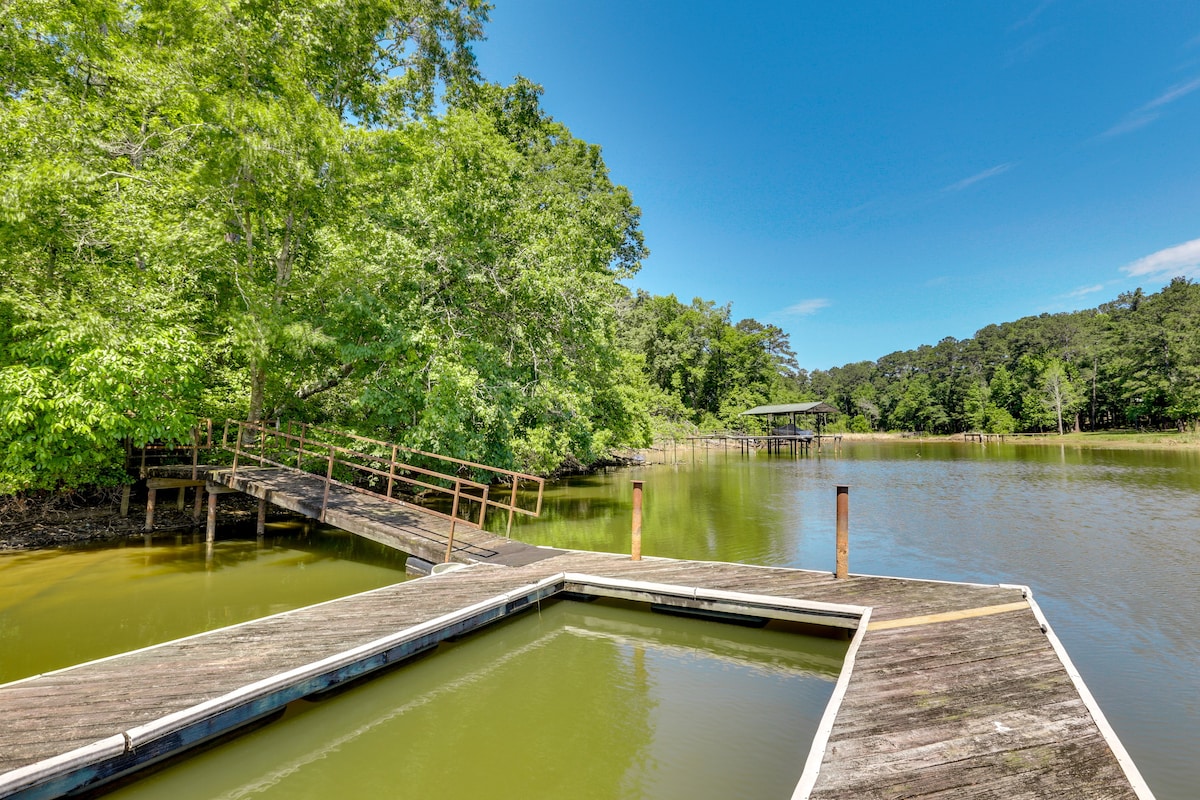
x=1059 y=392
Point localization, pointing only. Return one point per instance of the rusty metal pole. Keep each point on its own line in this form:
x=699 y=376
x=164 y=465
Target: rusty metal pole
x=843 y=532
x=636 y=548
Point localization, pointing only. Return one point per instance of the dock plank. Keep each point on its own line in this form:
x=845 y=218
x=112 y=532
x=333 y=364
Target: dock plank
x=978 y=707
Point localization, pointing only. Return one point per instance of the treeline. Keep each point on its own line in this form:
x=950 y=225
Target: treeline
x=1133 y=362
x=320 y=212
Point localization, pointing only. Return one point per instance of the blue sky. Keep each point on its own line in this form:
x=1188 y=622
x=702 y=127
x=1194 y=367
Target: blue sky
x=873 y=176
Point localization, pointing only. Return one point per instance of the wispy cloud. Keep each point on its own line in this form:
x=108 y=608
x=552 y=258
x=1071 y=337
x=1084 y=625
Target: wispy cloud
x=1144 y=115
x=806 y=307
x=991 y=172
x=1086 y=290
x=1032 y=16
x=1026 y=50
x=1182 y=259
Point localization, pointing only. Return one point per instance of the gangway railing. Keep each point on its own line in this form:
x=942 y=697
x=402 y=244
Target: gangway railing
x=374 y=467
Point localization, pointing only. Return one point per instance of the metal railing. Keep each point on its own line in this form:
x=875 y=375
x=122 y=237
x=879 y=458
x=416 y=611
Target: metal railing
x=373 y=467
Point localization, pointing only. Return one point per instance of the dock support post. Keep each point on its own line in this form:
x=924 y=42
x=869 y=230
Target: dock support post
x=843 y=532
x=636 y=546
x=197 y=505
x=125 y=490
x=261 y=528
x=210 y=534
x=150 y=498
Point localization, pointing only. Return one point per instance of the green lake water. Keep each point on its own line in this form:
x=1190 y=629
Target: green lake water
x=572 y=700
x=1109 y=541
x=68 y=605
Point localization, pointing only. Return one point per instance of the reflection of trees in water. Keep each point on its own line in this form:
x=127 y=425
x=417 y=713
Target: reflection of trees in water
x=290 y=543
x=561 y=700
x=734 y=510
x=451 y=725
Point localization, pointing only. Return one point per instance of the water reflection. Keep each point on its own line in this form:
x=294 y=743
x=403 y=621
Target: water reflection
x=64 y=606
x=568 y=700
x=1107 y=538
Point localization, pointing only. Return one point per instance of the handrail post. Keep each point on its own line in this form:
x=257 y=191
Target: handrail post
x=843 y=532
x=512 y=505
x=300 y=448
x=483 y=507
x=262 y=444
x=636 y=542
x=195 y=450
x=328 y=479
x=237 y=449
x=453 y=518
x=392 y=471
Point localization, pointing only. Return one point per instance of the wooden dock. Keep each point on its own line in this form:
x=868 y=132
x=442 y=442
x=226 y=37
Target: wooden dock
x=948 y=690
x=405 y=527
x=356 y=490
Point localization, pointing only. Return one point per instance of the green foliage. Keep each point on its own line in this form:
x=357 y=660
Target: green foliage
x=73 y=390
x=236 y=210
x=1133 y=361
x=715 y=369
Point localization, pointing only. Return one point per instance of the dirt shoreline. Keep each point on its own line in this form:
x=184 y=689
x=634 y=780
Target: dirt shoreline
x=49 y=521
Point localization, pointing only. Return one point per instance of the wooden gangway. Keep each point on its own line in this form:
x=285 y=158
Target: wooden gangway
x=948 y=689
x=428 y=505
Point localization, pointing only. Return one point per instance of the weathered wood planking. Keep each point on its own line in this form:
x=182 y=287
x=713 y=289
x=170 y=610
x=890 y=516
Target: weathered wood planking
x=403 y=526
x=978 y=707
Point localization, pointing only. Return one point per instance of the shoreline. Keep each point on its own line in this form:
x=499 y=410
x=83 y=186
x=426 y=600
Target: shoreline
x=1151 y=440
x=56 y=520
x=40 y=525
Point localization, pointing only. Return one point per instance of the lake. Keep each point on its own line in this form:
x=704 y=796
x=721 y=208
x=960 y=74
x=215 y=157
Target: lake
x=1108 y=539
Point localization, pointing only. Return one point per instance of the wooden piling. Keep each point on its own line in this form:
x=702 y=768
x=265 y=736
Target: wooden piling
x=843 y=532
x=125 y=490
x=150 y=498
x=261 y=527
x=210 y=534
x=636 y=546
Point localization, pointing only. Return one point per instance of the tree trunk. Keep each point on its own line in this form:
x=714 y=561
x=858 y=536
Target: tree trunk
x=258 y=385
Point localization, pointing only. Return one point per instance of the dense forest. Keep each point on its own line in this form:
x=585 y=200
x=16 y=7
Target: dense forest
x=1132 y=362
x=321 y=211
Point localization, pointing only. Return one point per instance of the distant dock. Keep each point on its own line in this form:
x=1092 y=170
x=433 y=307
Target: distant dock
x=948 y=689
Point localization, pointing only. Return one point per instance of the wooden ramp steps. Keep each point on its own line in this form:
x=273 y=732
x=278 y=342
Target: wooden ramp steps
x=946 y=702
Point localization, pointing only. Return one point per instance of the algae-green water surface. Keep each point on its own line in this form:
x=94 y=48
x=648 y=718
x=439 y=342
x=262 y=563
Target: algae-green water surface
x=1108 y=539
x=570 y=700
x=67 y=605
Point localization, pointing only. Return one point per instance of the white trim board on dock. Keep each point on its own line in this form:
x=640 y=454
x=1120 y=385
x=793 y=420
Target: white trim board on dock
x=962 y=704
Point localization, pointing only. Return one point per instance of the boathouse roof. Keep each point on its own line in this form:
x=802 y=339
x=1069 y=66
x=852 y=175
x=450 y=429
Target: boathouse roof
x=791 y=408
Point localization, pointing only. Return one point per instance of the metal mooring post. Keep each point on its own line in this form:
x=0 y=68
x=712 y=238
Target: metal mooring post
x=636 y=548
x=843 y=532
